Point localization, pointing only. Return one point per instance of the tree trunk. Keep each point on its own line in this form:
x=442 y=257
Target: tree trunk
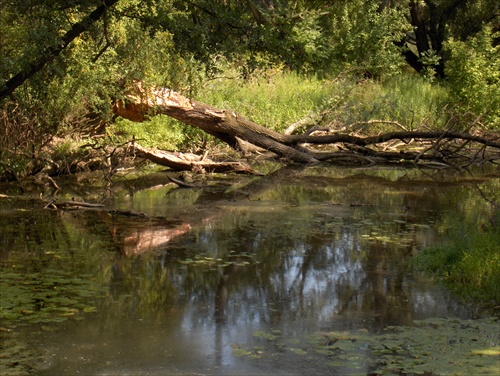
x=191 y=162
x=223 y=124
x=429 y=20
x=230 y=127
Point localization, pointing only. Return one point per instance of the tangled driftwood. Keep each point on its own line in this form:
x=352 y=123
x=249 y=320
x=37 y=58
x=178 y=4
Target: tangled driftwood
x=190 y=162
x=439 y=148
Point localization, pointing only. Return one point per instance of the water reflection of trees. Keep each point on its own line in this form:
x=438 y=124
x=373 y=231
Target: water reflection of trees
x=30 y=234
x=295 y=274
x=315 y=252
x=323 y=279
x=305 y=233
x=311 y=257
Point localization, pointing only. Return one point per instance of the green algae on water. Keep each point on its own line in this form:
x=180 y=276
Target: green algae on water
x=435 y=346
x=46 y=296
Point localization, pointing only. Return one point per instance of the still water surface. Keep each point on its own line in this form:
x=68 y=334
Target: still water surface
x=234 y=278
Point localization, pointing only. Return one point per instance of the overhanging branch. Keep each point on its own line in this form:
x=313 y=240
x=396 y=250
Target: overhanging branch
x=51 y=53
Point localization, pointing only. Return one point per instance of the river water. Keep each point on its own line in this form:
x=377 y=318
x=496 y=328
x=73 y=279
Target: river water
x=235 y=277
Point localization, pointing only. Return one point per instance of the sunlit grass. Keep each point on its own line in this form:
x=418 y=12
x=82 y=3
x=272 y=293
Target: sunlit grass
x=278 y=99
x=160 y=131
x=411 y=101
x=273 y=99
x=415 y=102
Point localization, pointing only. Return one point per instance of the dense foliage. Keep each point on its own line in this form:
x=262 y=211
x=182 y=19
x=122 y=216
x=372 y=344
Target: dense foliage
x=62 y=63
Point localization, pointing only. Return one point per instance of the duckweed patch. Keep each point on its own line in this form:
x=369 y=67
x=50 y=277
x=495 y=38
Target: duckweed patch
x=239 y=351
x=50 y=295
x=434 y=346
x=271 y=336
x=16 y=356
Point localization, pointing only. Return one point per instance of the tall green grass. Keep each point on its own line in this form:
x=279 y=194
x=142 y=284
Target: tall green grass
x=160 y=131
x=277 y=100
x=274 y=99
x=415 y=102
x=407 y=99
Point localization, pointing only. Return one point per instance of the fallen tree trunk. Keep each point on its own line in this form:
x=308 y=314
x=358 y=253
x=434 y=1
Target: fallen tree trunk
x=231 y=127
x=225 y=125
x=191 y=162
x=405 y=135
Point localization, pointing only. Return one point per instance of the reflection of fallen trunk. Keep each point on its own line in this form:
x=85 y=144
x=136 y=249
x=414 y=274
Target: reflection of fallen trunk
x=136 y=233
x=133 y=233
x=190 y=162
x=153 y=233
x=140 y=240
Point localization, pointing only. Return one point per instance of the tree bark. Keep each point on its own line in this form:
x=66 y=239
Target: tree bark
x=191 y=162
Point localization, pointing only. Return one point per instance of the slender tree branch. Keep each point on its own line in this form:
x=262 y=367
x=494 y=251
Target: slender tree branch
x=51 y=53
x=364 y=141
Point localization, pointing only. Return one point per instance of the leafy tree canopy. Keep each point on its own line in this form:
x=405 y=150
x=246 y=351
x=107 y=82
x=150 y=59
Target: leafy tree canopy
x=318 y=36
x=62 y=62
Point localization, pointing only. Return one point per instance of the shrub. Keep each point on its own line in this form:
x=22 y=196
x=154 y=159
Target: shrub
x=473 y=72
x=363 y=38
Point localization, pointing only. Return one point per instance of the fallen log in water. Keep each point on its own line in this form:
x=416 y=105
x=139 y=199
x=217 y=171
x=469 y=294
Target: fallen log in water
x=190 y=162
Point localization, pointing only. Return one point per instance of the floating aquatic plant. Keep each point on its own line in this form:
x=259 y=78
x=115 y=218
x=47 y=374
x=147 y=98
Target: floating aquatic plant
x=238 y=260
x=435 y=346
x=49 y=295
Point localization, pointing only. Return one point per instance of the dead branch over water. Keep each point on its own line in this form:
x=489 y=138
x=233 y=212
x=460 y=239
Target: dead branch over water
x=436 y=148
